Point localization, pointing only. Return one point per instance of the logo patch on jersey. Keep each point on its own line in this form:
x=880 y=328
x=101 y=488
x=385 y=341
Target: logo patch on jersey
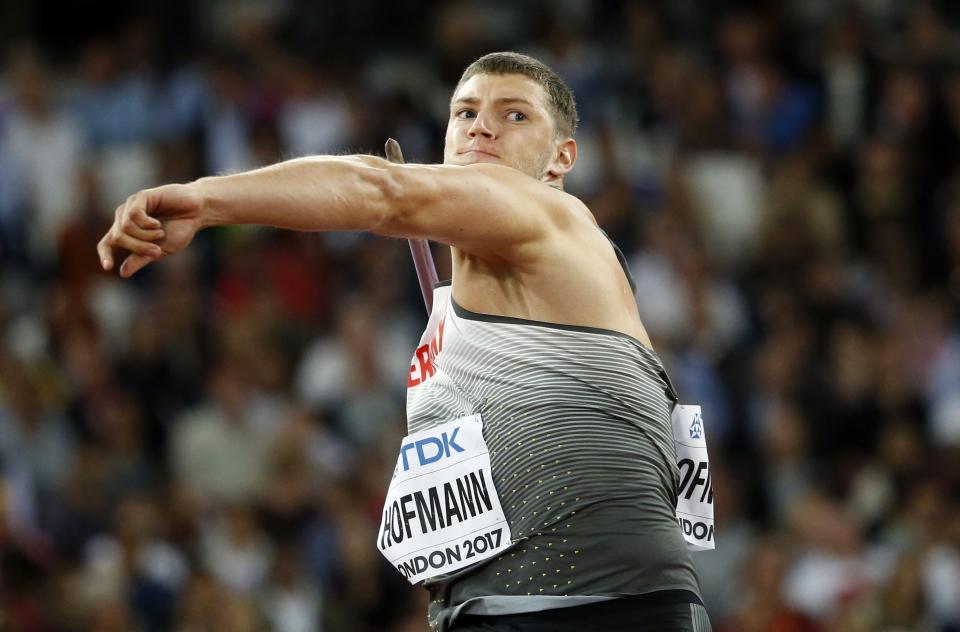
x=696 y=427
x=444 y=446
x=422 y=366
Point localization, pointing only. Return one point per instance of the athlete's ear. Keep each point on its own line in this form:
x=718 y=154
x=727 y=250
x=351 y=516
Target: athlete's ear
x=564 y=158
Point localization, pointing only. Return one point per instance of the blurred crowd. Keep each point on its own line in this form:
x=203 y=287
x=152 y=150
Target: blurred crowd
x=206 y=446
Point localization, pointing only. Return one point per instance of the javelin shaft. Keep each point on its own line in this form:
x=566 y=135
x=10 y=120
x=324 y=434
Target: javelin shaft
x=419 y=248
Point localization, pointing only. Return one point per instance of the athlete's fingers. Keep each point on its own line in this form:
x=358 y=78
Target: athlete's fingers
x=118 y=239
x=149 y=234
x=135 y=262
x=392 y=151
x=139 y=216
x=133 y=212
x=133 y=220
x=106 y=253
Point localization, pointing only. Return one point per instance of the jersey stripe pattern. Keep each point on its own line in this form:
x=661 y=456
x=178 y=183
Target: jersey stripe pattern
x=577 y=421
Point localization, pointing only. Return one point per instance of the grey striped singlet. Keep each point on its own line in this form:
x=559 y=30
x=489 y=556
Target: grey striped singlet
x=577 y=421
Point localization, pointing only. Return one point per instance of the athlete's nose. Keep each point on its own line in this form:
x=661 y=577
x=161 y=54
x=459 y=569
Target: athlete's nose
x=480 y=127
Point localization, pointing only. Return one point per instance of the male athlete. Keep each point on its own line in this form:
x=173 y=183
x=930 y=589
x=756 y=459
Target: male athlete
x=537 y=489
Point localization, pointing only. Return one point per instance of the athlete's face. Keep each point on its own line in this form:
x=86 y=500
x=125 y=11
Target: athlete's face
x=505 y=119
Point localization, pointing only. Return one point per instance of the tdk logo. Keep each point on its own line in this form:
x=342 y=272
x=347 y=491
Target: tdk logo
x=696 y=427
x=431 y=449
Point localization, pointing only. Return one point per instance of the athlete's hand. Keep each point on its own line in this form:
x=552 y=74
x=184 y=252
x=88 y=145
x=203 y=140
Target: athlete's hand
x=151 y=224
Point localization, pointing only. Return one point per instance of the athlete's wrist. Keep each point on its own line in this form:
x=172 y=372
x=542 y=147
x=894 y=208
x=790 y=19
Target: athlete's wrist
x=210 y=212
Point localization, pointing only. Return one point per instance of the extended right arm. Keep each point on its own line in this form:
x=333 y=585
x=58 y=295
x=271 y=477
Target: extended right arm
x=488 y=210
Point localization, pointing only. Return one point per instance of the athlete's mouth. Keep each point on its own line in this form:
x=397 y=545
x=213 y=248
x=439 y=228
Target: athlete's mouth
x=478 y=152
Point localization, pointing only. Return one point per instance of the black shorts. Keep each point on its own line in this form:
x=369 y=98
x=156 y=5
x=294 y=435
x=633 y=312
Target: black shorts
x=661 y=611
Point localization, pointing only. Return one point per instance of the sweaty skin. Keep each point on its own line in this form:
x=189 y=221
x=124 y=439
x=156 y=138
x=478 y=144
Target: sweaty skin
x=521 y=246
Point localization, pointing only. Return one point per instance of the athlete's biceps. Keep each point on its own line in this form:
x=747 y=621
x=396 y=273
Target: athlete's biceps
x=477 y=207
x=481 y=210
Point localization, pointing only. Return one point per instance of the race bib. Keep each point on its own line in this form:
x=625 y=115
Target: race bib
x=442 y=511
x=695 y=500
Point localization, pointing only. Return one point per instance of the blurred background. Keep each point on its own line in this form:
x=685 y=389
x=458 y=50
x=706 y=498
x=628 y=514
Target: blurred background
x=206 y=446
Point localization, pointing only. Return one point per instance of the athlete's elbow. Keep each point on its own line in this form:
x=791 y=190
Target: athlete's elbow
x=400 y=200
x=369 y=192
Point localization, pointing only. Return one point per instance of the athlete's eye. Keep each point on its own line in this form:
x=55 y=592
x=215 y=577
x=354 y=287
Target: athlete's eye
x=465 y=114
x=516 y=117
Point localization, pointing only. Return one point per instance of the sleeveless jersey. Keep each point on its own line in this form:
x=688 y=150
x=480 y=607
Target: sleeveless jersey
x=577 y=421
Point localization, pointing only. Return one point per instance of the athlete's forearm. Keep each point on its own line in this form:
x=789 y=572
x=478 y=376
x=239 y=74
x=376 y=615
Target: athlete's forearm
x=312 y=193
x=481 y=208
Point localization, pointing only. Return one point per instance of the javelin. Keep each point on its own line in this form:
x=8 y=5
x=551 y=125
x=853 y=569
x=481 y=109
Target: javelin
x=419 y=248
